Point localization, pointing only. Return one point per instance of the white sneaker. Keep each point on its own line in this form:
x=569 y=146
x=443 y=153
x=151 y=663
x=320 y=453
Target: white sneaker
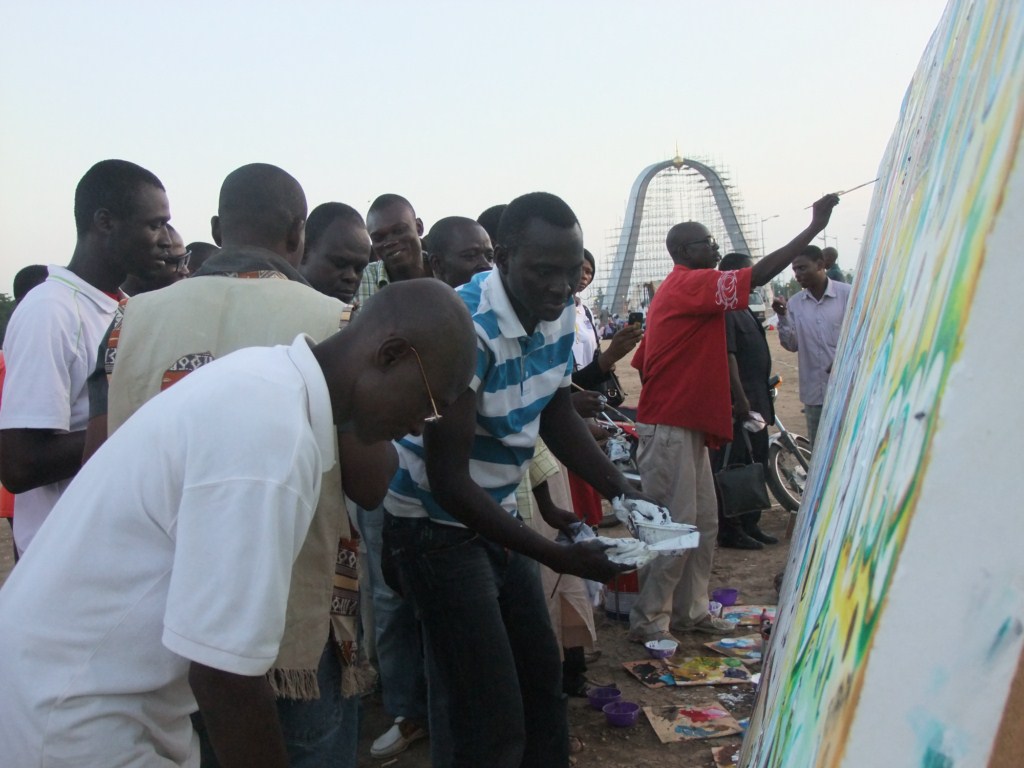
x=397 y=738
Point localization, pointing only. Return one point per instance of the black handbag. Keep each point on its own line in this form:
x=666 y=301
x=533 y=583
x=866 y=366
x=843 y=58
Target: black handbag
x=612 y=390
x=741 y=487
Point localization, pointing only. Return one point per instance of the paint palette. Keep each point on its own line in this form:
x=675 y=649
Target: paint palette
x=746 y=648
x=699 y=670
x=705 y=721
x=748 y=615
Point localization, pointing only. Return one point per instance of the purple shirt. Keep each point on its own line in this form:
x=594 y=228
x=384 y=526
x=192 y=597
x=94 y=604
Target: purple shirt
x=811 y=327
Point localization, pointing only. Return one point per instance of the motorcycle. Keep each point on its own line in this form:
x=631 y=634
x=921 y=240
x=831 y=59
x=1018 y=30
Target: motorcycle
x=789 y=457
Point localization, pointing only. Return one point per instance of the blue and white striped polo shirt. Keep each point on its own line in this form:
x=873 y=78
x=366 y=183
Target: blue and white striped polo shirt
x=516 y=376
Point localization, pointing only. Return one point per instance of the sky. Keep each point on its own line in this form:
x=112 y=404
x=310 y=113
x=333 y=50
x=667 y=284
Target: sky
x=455 y=105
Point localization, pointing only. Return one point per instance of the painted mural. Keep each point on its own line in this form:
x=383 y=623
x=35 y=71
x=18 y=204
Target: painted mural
x=941 y=192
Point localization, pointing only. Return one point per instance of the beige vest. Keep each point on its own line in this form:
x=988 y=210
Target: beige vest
x=168 y=333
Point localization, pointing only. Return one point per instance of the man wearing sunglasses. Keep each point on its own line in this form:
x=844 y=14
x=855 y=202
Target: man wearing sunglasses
x=685 y=408
x=463 y=555
x=165 y=578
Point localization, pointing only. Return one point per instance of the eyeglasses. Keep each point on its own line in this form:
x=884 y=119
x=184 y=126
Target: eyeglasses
x=437 y=416
x=179 y=263
x=709 y=241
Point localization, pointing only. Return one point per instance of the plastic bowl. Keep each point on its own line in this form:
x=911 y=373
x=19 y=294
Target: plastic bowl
x=621 y=714
x=599 y=697
x=661 y=649
x=726 y=595
x=652 y=533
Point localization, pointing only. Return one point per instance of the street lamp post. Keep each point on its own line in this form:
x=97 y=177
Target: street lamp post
x=767 y=218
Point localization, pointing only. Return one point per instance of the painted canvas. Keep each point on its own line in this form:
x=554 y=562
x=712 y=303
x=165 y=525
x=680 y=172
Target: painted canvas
x=699 y=670
x=912 y=509
x=686 y=723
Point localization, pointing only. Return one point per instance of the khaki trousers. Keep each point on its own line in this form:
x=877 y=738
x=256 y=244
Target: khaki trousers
x=675 y=470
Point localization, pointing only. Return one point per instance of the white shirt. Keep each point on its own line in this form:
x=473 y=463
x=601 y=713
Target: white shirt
x=585 y=344
x=174 y=543
x=811 y=328
x=50 y=349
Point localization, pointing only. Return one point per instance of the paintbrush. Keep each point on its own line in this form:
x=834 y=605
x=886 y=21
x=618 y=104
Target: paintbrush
x=851 y=189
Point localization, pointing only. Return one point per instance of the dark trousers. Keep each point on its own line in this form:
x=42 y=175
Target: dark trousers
x=488 y=641
x=731 y=526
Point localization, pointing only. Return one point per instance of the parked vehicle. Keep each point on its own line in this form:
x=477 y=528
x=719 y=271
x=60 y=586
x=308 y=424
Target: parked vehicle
x=758 y=304
x=789 y=457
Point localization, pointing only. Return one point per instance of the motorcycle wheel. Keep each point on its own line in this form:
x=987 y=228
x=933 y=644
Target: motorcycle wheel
x=786 y=477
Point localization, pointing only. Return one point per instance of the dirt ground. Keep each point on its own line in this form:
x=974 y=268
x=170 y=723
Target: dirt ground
x=752 y=572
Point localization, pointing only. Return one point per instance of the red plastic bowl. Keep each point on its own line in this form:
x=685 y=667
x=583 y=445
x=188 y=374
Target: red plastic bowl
x=622 y=714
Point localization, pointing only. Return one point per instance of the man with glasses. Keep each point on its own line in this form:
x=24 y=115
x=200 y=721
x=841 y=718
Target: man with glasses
x=685 y=408
x=462 y=554
x=164 y=578
x=121 y=214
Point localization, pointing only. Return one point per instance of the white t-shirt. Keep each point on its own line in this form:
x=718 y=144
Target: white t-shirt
x=585 y=343
x=50 y=349
x=174 y=543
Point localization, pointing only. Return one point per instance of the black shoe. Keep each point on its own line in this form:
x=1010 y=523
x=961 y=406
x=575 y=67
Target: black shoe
x=756 y=533
x=737 y=540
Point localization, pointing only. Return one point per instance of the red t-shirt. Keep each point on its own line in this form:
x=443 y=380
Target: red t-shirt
x=682 y=358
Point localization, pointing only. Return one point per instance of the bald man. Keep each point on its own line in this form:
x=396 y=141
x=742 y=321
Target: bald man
x=459 y=248
x=251 y=294
x=180 y=534
x=685 y=407
x=832 y=270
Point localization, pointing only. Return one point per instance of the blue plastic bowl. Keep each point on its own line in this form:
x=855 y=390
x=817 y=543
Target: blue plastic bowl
x=621 y=714
x=599 y=697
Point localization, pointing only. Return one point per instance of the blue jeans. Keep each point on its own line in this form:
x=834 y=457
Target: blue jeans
x=813 y=414
x=400 y=647
x=320 y=733
x=488 y=640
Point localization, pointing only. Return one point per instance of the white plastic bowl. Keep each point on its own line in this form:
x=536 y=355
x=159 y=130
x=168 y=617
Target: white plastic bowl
x=652 y=533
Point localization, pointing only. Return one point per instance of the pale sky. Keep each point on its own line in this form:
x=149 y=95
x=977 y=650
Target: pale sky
x=455 y=105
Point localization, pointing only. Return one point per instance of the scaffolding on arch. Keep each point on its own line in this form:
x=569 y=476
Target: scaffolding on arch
x=664 y=194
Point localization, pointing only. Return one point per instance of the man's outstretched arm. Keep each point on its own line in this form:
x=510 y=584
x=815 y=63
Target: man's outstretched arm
x=776 y=261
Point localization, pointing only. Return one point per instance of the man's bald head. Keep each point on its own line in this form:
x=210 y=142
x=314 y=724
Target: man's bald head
x=430 y=316
x=408 y=350
x=691 y=245
x=261 y=205
x=830 y=254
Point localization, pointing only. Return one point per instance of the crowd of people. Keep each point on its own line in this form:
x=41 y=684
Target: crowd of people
x=244 y=469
